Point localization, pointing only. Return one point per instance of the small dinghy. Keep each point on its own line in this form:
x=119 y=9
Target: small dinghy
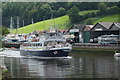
x=117 y=54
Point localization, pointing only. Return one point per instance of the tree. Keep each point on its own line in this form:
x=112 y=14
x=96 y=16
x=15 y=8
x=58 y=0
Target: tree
x=118 y=4
x=46 y=11
x=102 y=7
x=112 y=10
x=4 y=30
x=55 y=13
x=89 y=21
x=61 y=11
x=74 y=14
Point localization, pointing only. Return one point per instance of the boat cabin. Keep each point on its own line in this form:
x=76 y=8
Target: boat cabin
x=48 y=44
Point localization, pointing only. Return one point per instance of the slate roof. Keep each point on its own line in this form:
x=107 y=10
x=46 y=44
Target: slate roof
x=117 y=24
x=107 y=25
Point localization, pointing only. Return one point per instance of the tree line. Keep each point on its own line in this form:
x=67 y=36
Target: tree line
x=40 y=11
x=103 y=10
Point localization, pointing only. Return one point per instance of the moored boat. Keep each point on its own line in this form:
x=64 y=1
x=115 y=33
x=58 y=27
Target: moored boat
x=13 y=41
x=46 y=47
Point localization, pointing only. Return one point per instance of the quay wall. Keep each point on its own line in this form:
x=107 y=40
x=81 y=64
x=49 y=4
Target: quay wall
x=0 y=73
x=96 y=46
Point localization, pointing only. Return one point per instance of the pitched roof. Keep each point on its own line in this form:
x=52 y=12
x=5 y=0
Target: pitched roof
x=88 y=27
x=107 y=25
x=80 y=27
x=117 y=24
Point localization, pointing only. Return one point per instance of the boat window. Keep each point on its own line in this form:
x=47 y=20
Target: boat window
x=39 y=44
x=29 y=44
x=26 y=44
x=23 y=44
x=33 y=44
x=45 y=44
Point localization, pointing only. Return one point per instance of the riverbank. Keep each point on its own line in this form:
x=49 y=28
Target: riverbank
x=0 y=66
x=96 y=46
x=0 y=73
x=95 y=50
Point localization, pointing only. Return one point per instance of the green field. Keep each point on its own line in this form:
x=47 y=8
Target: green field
x=62 y=22
x=88 y=11
x=110 y=18
x=59 y=23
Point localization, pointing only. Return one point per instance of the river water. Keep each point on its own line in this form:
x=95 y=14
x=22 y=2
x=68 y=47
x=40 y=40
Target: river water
x=77 y=65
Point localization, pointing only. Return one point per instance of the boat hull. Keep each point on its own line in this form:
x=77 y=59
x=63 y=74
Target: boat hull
x=46 y=53
x=117 y=54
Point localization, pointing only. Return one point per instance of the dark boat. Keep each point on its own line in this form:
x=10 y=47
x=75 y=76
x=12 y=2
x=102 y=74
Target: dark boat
x=46 y=47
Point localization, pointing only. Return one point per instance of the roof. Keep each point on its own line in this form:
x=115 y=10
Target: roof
x=107 y=25
x=80 y=27
x=88 y=27
x=39 y=31
x=62 y=30
x=117 y=25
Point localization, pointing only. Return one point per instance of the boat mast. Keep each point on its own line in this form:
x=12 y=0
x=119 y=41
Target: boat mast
x=23 y=24
x=51 y=27
x=11 y=25
x=32 y=24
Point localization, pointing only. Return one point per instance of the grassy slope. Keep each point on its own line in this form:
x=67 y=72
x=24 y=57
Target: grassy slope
x=88 y=11
x=62 y=22
x=110 y=18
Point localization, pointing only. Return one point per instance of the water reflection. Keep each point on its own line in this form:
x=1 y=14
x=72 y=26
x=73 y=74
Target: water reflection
x=81 y=65
x=50 y=68
x=95 y=66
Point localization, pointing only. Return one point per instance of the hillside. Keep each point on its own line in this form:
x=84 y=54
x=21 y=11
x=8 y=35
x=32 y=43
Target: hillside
x=62 y=22
x=59 y=23
x=109 y=18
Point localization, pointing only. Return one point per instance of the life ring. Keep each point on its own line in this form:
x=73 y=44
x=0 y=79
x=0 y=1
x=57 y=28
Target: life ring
x=55 y=52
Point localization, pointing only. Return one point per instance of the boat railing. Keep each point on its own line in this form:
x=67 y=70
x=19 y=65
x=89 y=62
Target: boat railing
x=42 y=38
x=57 y=46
